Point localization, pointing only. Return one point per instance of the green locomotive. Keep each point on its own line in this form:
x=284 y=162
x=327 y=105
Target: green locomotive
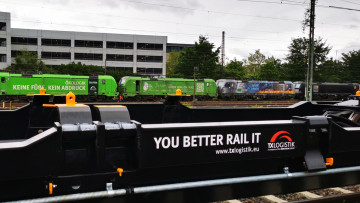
x=140 y=88
x=84 y=87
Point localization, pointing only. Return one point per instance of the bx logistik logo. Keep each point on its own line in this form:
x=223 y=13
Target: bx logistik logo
x=281 y=141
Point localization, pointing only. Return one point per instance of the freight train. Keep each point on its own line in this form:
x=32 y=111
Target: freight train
x=14 y=86
x=101 y=88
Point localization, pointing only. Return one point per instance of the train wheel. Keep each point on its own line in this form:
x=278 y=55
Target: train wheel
x=137 y=98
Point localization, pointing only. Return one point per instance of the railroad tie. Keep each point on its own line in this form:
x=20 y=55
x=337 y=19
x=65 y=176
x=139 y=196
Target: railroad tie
x=232 y=201
x=310 y=195
x=272 y=198
x=341 y=190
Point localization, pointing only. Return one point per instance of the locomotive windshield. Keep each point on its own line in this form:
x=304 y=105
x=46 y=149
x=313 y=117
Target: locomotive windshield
x=122 y=81
x=230 y=84
x=220 y=84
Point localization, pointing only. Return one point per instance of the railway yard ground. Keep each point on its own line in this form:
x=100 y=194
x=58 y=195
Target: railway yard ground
x=346 y=194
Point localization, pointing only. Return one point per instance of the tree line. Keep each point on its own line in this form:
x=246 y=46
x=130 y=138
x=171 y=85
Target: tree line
x=257 y=66
x=28 y=63
x=205 y=57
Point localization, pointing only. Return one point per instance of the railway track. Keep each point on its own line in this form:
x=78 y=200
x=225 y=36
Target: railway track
x=255 y=104
x=11 y=105
x=346 y=194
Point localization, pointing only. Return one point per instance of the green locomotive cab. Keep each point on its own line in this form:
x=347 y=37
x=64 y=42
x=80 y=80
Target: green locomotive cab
x=128 y=86
x=107 y=86
x=3 y=78
x=153 y=88
x=85 y=87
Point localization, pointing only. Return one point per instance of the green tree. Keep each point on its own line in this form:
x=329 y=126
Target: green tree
x=330 y=71
x=27 y=62
x=270 y=70
x=254 y=61
x=79 y=69
x=82 y=69
x=172 y=62
x=203 y=56
x=351 y=62
x=119 y=74
x=235 y=69
x=299 y=54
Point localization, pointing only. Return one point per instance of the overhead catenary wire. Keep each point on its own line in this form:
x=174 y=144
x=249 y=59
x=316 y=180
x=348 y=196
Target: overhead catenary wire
x=184 y=24
x=350 y=2
x=195 y=9
x=163 y=5
x=165 y=32
x=186 y=8
x=283 y=2
x=156 y=31
x=349 y=9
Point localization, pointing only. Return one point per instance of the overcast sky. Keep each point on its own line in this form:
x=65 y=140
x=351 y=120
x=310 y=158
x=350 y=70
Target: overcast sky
x=268 y=25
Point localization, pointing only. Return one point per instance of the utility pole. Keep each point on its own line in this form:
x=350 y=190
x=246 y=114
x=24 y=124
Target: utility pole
x=309 y=74
x=222 y=53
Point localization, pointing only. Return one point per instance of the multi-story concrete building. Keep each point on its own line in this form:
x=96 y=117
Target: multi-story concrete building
x=177 y=47
x=143 y=54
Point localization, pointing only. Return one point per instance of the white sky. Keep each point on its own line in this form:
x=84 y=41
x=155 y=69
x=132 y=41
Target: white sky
x=268 y=25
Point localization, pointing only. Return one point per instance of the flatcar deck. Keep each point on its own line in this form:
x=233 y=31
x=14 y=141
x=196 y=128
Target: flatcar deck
x=169 y=152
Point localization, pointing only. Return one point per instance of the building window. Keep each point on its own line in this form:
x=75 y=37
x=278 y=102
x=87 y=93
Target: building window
x=53 y=66
x=56 y=55
x=88 y=43
x=88 y=56
x=2 y=42
x=3 y=58
x=178 y=47
x=15 y=53
x=148 y=46
x=24 y=41
x=143 y=58
x=119 y=68
x=56 y=42
x=149 y=71
x=119 y=57
x=2 y=26
x=119 y=45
